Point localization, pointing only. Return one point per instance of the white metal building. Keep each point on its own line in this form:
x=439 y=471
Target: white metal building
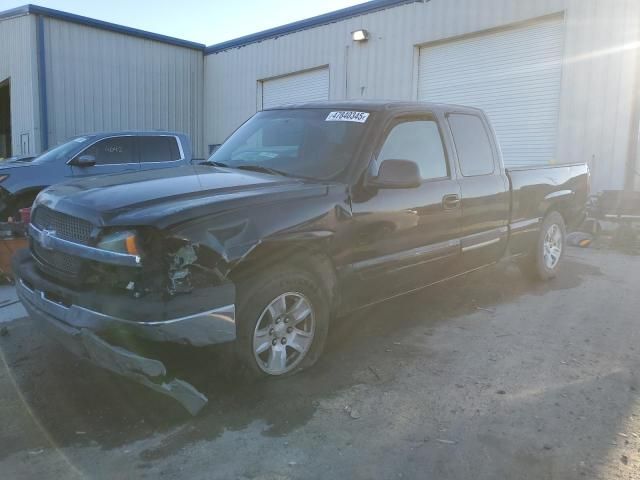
x=63 y=75
x=560 y=79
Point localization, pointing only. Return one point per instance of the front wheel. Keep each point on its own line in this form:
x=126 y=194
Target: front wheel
x=283 y=319
x=543 y=263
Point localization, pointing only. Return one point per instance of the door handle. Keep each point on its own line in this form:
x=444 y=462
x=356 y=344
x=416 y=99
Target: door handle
x=450 y=202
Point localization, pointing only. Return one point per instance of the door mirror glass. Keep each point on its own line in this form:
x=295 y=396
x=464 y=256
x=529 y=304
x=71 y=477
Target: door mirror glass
x=397 y=174
x=83 y=161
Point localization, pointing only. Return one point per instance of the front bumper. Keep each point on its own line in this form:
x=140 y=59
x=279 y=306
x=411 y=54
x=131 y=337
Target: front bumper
x=83 y=330
x=204 y=317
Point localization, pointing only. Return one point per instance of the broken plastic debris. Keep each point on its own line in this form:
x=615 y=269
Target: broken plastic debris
x=446 y=442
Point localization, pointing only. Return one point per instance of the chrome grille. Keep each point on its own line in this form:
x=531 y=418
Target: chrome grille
x=66 y=227
x=56 y=262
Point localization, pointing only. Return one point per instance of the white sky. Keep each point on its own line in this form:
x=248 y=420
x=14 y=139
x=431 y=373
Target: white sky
x=207 y=22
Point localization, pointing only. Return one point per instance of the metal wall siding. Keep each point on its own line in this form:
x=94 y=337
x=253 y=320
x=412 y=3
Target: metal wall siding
x=598 y=72
x=19 y=63
x=100 y=81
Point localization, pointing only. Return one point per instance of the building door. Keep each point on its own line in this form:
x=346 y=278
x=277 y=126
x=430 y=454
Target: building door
x=309 y=86
x=514 y=75
x=5 y=119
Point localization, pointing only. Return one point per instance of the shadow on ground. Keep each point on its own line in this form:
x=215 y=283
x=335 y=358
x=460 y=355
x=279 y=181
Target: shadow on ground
x=77 y=404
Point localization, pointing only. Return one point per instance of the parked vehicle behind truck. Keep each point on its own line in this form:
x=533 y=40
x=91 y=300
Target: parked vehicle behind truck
x=303 y=214
x=22 y=178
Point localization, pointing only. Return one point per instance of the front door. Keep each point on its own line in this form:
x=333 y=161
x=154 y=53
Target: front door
x=405 y=239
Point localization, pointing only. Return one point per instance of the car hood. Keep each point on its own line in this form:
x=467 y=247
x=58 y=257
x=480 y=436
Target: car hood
x=169 y=196
x=10 y=166
x=20 y=175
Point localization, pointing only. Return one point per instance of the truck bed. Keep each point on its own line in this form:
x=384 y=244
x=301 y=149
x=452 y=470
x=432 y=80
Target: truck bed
x=535 y=189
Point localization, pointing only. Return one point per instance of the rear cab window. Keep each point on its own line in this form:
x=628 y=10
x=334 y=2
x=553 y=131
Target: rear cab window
x=473 y=144
x=155 y=149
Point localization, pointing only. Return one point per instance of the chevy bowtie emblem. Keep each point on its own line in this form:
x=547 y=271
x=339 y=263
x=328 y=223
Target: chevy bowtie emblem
x=46 y=239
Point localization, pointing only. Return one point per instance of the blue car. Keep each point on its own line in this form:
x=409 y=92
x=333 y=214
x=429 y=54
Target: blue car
x=22 y=178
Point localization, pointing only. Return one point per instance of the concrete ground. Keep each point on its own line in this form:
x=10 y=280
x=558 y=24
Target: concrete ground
x=10 y=308
x=487 y=377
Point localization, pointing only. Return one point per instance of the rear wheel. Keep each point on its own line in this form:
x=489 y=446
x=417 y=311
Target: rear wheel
x=283 y=319
x=543 y=263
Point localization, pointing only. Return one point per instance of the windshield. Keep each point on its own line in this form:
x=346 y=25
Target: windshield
x=63 y=150
x=313 y=143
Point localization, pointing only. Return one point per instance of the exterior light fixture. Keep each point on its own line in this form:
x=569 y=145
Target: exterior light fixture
x=360 y=36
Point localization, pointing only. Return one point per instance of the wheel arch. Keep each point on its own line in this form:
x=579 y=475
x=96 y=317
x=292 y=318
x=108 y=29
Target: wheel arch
x=561 y=202
x=308 y=252
x=28 y=192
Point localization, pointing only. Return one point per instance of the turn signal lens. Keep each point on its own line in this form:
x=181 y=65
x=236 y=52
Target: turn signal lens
x=131 y=245
x=120 y=242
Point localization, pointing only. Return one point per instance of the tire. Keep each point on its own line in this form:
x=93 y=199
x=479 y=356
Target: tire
x=544 y=263
x=271 y=312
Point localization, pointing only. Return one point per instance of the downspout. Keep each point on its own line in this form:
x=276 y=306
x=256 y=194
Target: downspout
x=346 y=72
x=632 y=172
x=42 y=84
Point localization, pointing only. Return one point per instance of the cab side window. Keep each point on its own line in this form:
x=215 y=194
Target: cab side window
x=113 y=151
x=472 y=144
x=158 y=149
x=420 y=142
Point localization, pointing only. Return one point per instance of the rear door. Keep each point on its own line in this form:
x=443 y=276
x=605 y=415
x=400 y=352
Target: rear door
x=160 y=151
x=484 y=187
x=406 y=238
x=115 y=154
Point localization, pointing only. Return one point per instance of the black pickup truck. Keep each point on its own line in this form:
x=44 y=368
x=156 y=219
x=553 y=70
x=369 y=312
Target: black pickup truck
x=303 y=214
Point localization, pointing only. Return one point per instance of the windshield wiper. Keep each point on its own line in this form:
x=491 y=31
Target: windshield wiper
x=252 y=168
x=213 y=163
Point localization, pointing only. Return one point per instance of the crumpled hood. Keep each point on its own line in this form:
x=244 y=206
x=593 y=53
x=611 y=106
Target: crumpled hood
x=167 y=196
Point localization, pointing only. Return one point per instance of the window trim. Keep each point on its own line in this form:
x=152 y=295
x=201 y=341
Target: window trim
x=178 y=141
x=406 y=118
x=490 y=138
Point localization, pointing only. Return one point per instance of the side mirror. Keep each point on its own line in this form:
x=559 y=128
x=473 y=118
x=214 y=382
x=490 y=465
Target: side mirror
x=397 y=174
x=83 y=161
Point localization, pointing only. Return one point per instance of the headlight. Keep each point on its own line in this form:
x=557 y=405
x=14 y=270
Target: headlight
x=124 y=241
x=3 y=178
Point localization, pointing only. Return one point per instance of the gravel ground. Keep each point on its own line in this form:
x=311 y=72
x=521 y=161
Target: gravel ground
x=487 y=377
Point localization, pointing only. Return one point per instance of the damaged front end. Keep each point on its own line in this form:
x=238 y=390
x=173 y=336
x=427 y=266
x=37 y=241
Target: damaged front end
x=167 y=290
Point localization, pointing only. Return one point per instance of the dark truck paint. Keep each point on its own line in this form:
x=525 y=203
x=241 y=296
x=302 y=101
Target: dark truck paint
x=22 y=178
x=367 y=231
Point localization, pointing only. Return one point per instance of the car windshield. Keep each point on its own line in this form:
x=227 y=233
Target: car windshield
x=62 y=150
x=309 y=143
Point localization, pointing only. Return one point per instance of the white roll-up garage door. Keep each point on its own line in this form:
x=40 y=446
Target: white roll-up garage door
x=310 y=86
x=513 y=75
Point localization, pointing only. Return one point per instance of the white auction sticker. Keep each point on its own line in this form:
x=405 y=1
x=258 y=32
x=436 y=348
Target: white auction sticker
x=359 y=117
